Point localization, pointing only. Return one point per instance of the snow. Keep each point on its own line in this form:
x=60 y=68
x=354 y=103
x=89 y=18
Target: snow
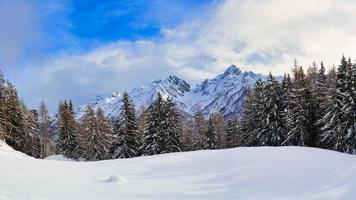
x=259 y=173
x=223 y=93
x=58 y=158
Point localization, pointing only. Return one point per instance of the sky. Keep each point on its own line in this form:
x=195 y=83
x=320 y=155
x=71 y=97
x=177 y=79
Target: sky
x=78 y=49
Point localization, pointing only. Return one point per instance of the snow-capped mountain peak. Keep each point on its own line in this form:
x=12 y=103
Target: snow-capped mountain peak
x=225 y=93
x=232 y=70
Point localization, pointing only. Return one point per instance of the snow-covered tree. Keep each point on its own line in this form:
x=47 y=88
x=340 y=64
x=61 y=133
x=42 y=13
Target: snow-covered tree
x=66 y=130
x=14 y=119
x=172 y=128
x=339 y=122
x=252 y=118
x=93 y=138
x=298 y=115
x=152 y=142
x=125 y=134
x=2 y=106
x=271 y=131
x=233 y=134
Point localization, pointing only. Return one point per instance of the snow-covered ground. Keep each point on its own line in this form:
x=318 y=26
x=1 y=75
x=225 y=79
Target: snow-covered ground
x=264 y=173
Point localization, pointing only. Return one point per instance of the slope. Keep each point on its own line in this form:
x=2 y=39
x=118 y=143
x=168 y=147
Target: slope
x=264 y=173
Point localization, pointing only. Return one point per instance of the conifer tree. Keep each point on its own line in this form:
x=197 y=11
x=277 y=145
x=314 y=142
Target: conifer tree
x=34 y=128
x=2 y=106
x=125 y=134
x=152 y=142
x=210 y=134
x=338 y=124
x=200 y=129
x=271 y=132
x=67 y=132
x=232 y=134
x=298 y=116
x=14 y=119
x=173 y=128
x=251 y=122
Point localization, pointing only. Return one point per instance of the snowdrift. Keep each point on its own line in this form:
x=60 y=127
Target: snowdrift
x=278 y=173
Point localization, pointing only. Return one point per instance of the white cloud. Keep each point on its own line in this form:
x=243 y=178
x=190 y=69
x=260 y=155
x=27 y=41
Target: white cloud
x=18 y=29
x=256 y=35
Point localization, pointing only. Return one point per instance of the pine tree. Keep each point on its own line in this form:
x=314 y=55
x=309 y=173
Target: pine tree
x=173 y=128
x=67 y=132
x=271 y=132
x=210 y=134
x=232 y=134
x=14 y=119
x=339 y=130
x=93 y=137
x=2 y=106
x=126 y=139
x=298 y=115
x=251 y=121
x=32 y=145
x=152 y=142
x=34 y=128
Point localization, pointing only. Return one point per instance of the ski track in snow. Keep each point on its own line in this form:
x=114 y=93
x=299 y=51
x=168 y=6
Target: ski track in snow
x=260 y=173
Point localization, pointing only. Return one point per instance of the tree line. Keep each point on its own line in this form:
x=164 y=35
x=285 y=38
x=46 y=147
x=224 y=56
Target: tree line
x=313 y=108
x=161 y=128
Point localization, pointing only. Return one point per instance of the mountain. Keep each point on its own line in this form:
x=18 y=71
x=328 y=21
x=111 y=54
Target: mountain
x=224 y=93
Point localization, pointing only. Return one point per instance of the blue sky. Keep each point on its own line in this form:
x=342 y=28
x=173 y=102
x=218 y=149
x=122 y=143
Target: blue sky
x=77 y=49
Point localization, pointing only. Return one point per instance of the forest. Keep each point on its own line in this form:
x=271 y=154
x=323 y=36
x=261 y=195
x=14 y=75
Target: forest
x=315 y=107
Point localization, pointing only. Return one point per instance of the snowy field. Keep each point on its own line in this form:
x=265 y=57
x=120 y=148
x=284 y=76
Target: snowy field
x=264 y=173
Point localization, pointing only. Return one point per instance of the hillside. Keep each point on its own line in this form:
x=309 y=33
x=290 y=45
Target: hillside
x=261 y=173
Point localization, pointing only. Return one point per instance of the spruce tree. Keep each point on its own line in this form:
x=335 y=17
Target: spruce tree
x=338 y=124
x=252 y=118
x=152 y=142
x=173 y=128
x=232 y=134
x=67 y=132
x=125 y=134
x=93 y=138
x=2 y=106
x=271 y=131
x=14 y=120
x=34 y=128
x=210 y=134
x=298 y=115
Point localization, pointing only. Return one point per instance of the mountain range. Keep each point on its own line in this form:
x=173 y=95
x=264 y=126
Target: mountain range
x=225 y=93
